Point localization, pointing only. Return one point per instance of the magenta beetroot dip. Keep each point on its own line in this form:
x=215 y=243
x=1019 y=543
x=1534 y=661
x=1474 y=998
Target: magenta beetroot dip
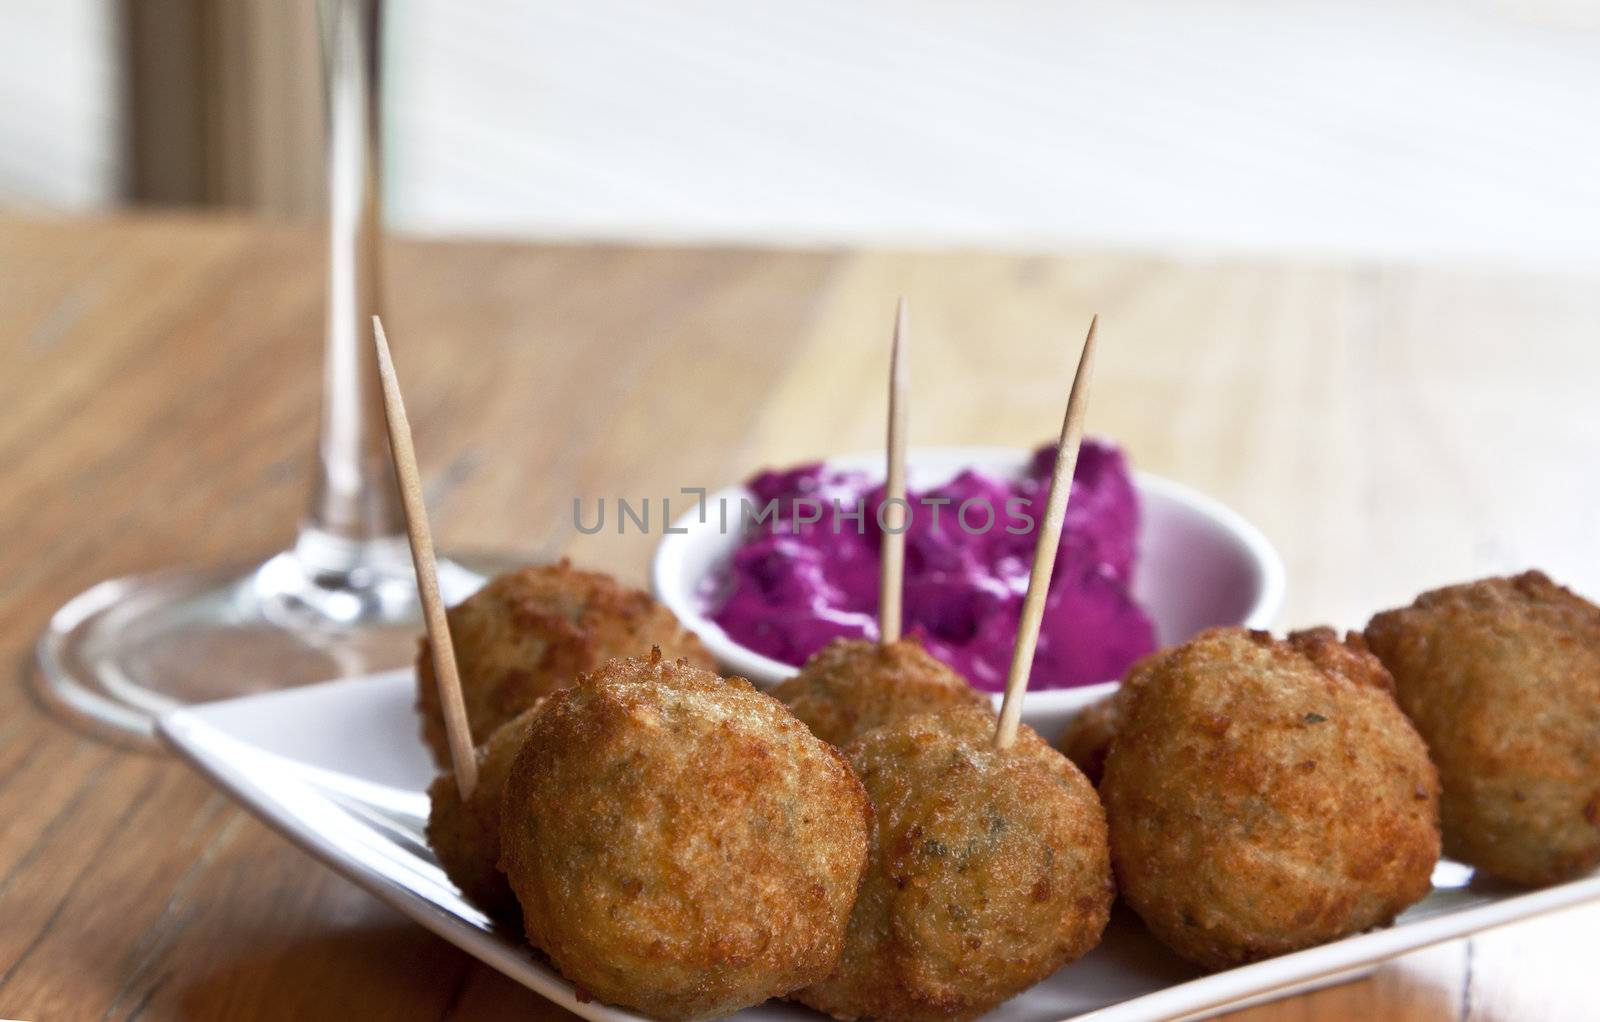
x=806 y=570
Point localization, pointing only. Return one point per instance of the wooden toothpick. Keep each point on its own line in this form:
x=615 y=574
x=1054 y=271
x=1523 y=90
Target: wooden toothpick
x=1044 y=549
x=893 y=551
x=462 y=756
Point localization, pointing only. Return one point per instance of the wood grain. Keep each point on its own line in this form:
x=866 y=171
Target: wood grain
x=1389 y=427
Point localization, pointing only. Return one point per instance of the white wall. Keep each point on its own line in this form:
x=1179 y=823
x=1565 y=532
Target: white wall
x=59 y=114
x=1405 y=128
x=1381 y=128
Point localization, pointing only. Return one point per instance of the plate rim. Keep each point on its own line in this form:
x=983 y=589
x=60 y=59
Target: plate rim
x=185 y=732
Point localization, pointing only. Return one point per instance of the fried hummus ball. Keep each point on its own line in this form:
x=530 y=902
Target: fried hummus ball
x=1266 y=796
x=1088 y=736
x=1087 y=739
x=681 y=845
x=851 y=686
x=1502 y=678
x=529 y=632
x=989 y=872
x=465 y=835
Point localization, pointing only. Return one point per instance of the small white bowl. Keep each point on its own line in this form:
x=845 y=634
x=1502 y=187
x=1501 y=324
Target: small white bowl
x=1199 y=565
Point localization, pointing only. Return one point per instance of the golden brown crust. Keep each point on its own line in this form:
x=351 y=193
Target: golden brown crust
x=851 y=686
x=531 y=631
x=1331 y=655
x=681 y=845
x=465 y=835
x=1266 y=796
x=989 y=872
x=1088 y=736
x=1502 y=678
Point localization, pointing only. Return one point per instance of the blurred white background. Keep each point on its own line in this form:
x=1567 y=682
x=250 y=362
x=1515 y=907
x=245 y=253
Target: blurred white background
x=1406 y=129
x=60 y=126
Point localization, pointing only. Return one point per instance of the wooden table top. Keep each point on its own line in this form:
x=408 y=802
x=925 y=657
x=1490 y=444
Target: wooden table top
x=1389 y=427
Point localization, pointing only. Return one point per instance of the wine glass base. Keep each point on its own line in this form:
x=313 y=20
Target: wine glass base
x=122 y=653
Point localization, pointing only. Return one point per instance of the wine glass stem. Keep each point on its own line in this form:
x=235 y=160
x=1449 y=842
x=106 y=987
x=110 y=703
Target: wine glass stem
x=354 y=501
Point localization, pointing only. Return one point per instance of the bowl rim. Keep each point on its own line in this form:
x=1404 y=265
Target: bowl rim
x=666 y=569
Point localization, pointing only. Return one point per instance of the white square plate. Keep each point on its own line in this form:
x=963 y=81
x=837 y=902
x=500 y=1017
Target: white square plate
x=339 y=769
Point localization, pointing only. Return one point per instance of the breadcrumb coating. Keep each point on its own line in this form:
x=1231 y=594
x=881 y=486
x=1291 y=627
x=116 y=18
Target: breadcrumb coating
x=680 y=844
x=989 y=872
x=851 y=686
x=530 y=632
x=1502 y=678
x=1267 y=795
x=465 y=835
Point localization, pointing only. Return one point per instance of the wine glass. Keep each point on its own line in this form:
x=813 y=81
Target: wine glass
x=342 y=601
